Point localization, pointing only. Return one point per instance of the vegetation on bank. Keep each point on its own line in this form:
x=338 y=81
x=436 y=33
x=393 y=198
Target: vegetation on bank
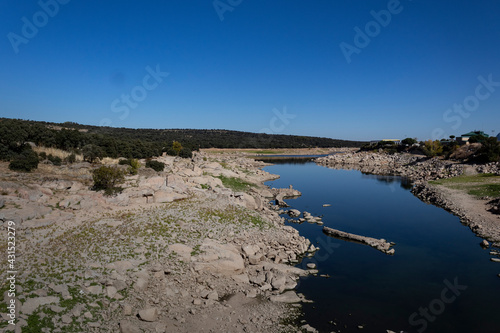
x=480 y=185
x=488 y=148
x=236 y=184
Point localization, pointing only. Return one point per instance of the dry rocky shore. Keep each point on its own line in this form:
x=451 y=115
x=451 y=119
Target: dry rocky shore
x=176 y=251
x=475 y=213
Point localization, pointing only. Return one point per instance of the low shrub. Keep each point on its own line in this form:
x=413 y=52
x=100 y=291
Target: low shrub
x=133 y=163
x=107 y=178
x=27 y=161
x=186 y=153
x=155 y=165
x=56 y=160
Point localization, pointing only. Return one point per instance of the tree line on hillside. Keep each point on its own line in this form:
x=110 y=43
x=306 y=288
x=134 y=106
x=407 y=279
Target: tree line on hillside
x=95 y=142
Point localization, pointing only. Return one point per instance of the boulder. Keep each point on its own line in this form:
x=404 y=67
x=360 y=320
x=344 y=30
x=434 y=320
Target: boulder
x=287 y=297
x=150 y=314
x=250 y=250
x=165 y=196
x=155 y=183
x=223 y=259
x=182 y=250
x=32 y=304
x=128 y=327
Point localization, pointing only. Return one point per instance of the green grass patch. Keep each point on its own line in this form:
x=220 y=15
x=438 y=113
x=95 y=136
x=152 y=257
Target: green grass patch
x=236 y=184
x=479 y=178
x=489 y=190
x=480 y=185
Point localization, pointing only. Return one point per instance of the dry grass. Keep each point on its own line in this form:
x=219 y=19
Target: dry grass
x=56 y=152
x=110 y=161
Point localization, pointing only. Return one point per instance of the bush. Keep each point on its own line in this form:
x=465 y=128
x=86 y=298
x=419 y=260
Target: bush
x=91 y=153
x=433 y=148
x=26 y=161
x=171 y=152
x=489 y=151
x=133 y=163
x=43 y=155
x=56 y=160
x=106 y=178
x=71 y=158
x=155 y=165
x=409 y=141
x=186 y=153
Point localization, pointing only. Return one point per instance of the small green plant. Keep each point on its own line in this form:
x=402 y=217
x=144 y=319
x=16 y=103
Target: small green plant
x=155 y=165
x=133 y=163
x=106 y=178
x=236 y=184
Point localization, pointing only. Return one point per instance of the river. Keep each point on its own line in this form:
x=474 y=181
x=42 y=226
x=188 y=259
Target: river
x=439 y=280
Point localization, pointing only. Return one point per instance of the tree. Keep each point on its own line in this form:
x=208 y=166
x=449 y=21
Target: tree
x=432 y=148
x=177 y=147
x=186 y=153
x=477 y=138
x=409 y=141
x=91 y=153
x=489 y=151
x=106 y=178
x=452 y=137
x=26 y=161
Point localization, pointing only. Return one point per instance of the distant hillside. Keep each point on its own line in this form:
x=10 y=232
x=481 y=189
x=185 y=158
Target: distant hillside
x=143 y=143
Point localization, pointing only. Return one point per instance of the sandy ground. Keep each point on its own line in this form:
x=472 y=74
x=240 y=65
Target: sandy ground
x=474 y=212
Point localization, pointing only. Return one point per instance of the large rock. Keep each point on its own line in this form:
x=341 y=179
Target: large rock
x=33 y=303
x=155 y=183
x=128 y=327
x=176 y=183
x=182 y=250
x=287 y=297
x=150 y=314
x=165 y=196
x=220 y=258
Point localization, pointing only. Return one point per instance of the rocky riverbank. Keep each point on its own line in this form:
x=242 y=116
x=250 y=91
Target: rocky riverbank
x=195 y=248
x=475 y=213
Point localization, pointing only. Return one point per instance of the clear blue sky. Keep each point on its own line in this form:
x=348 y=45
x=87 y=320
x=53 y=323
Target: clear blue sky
x=263 y=56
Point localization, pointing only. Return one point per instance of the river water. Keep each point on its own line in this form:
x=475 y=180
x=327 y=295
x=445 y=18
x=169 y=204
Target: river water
x=439 y=280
